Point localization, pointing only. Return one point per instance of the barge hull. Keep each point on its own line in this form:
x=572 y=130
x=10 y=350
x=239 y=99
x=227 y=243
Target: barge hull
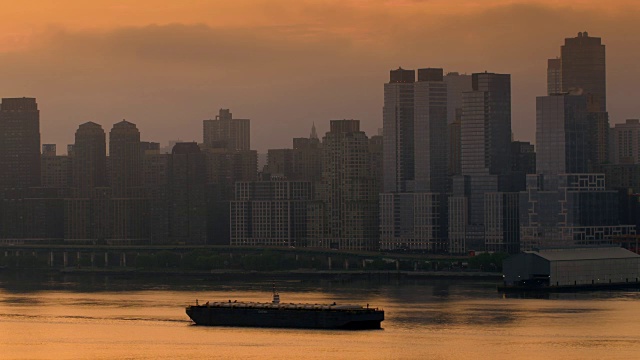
x=286 y=318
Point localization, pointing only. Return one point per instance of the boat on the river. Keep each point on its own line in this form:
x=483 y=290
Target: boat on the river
x=279 y=315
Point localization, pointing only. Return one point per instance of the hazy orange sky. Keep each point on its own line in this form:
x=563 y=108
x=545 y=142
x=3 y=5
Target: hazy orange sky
x=167 y=65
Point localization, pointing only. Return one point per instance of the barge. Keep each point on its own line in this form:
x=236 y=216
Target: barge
x=278 y=315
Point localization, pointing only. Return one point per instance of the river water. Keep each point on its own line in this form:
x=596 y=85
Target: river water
x=102 y=317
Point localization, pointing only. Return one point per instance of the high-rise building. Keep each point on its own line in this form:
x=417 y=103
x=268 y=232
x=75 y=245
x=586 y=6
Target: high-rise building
x=554 y=76
x=89 y=159
x=398 y=128
x=562 y=134
x=31 y=215
x=49 y=150
x=569 y=210
x=348 y=188
x=454 y=166
x=280 y=163
x=502 y=222
x=155 y=181
x=583 y=70
x=376 y=158
x=626 y=142
x=129 y=204
x=274 y=213
x=430 y=131
x=307 y=158
x=227 y=132
x=583 y=67
x=19 y=143
x=187 y=191
x=125 y=157
x=565 y=203
x=223 y=169
x=486 y=125
x=88 y=209
x=412 y=221
x=523 y=157
x=55 y=170
x=485 y=161
x=457 y=84
x=417 y=200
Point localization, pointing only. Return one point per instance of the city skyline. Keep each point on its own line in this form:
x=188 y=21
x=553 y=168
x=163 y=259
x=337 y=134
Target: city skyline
x=118 y=65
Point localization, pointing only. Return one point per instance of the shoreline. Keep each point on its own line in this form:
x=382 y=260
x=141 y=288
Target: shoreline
x=339 y=275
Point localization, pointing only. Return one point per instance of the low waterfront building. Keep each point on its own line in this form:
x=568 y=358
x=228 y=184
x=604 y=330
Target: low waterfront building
x=578 y=266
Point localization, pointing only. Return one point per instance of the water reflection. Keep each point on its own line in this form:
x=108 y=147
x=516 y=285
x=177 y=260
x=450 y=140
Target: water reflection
x=91 y=316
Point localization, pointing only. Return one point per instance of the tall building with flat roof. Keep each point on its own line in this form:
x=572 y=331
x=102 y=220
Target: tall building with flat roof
x=307 y=158
x=569 y=210
x=626 y=142
x=583 y=67
x=415 y=159
x=562 y=134
x=486 y=125
x=227 y=132
x=349 y=188
x=398 y=129
x=19 y=143
x=457 y=84
x=554 y=76
x=430 y=131
x=485 y=129
x=273 y=213
x=187 y=191
x=223 y=169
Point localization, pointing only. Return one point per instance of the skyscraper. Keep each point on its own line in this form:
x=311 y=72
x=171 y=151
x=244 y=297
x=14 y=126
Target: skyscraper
x=430 y=131
x=583 y=67
x=562 y=134
x=126 y=158
x=415 y=160
x=626 y=140
x=554 y=76
x=187 y=190
x=227 y=132
x=349 y=188
x=89 y=159
x=129 y=204
x=486 y=125
x=457 y=84
x=87 y=211
x=19 y=143
x=307 y=158
x=55 y=170
x=485 y=163
x=564 y=204
x=398 y=122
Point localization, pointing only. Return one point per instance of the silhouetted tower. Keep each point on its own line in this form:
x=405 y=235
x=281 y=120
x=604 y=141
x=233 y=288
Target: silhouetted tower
x=349 y=187
x=187 y=185
x=227 y=132
x=125 y=156
x=398 y=125
x=486 y=125
x=19 y=143
x=89 y=159
x=583 y=67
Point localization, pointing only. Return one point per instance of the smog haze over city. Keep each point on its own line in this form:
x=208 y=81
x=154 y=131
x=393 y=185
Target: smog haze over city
x=168 y=65
x=265 y=179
